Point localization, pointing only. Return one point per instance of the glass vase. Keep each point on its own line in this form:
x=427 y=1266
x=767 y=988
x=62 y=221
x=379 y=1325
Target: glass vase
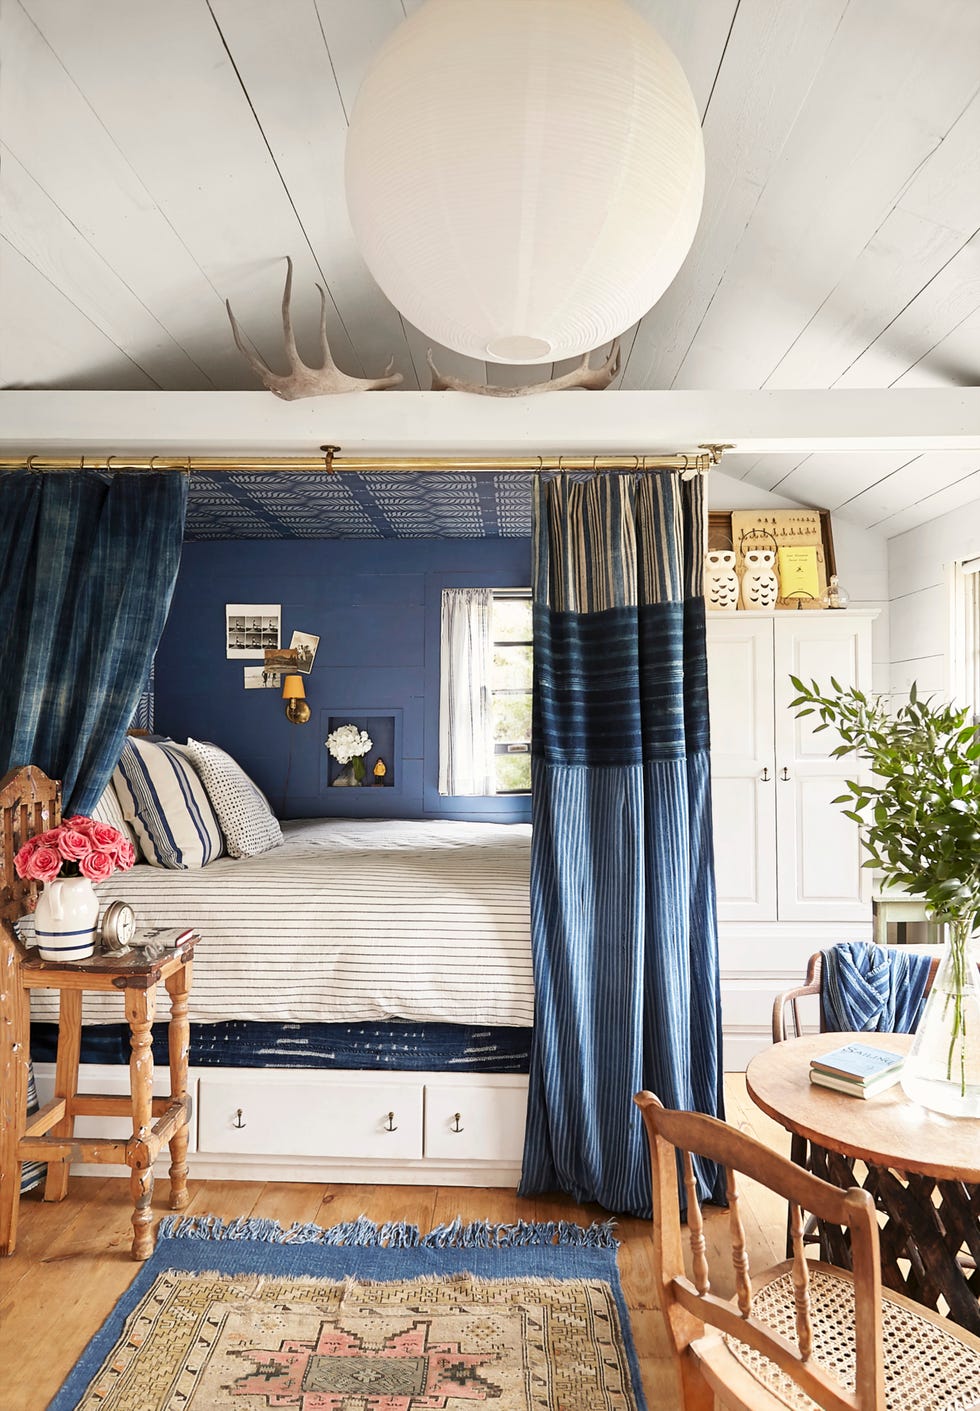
x=347 y=778
x=942 y=1071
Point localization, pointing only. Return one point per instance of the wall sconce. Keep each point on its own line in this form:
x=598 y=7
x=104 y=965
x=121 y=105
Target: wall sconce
x=294 y=694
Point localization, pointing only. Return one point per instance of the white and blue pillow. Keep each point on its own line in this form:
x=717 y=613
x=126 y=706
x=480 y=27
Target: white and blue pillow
x=167 y=805
x=109 y=810
x=249 y=825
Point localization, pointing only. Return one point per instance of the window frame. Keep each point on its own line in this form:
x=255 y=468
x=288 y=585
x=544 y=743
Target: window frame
x=513 y=747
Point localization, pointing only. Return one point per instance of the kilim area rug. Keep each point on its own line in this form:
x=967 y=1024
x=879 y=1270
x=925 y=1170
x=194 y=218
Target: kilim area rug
x=249 y=1316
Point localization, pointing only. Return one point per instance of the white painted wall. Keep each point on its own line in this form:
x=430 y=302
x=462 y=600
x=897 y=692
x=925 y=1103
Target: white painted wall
x=916 y=570
x=862 y=560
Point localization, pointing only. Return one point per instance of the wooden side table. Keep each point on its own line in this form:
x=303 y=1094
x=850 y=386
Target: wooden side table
x=30 y=802
x=49 y=1134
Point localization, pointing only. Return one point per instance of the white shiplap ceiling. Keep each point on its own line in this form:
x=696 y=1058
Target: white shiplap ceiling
x=156 y=158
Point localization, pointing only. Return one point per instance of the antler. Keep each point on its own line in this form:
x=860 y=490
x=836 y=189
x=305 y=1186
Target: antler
x=593 y=379
x=304 y=381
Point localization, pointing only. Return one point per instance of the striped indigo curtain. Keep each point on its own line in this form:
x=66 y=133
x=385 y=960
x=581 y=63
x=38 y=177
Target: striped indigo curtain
x=466 y=754
x=87 y=569
x=622 y=873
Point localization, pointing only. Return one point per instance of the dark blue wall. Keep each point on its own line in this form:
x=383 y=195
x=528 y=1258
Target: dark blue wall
x=375 y=607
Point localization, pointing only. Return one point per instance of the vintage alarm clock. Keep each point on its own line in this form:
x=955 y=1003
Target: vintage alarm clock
x=118 y=927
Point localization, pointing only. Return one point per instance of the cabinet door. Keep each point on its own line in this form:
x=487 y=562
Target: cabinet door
x=742 y=767
x=818 y=850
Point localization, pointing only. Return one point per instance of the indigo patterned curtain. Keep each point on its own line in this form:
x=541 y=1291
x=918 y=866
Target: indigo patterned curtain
x=87 y=569
x=623 y=920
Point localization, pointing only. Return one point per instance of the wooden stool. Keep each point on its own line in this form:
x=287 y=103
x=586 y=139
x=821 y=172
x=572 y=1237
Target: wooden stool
x=30 y=803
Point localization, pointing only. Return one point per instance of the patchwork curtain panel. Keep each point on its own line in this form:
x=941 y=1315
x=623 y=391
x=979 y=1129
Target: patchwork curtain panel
x=623 y=914
x=88 y=564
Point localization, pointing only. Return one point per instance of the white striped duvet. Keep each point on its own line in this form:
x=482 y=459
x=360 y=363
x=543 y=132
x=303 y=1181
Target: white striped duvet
x=348 y=921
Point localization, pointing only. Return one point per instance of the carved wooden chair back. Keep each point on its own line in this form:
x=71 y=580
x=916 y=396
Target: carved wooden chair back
x=714 y=1340
x=30 y=803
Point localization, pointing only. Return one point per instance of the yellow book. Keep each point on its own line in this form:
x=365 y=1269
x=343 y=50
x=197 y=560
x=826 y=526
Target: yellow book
x=798 y=577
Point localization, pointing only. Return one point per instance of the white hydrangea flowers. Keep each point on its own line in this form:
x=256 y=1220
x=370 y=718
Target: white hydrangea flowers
x=347 y=742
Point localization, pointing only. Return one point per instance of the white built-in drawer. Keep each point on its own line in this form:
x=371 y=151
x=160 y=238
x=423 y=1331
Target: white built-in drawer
x=264 y=1115
x=475 y=1123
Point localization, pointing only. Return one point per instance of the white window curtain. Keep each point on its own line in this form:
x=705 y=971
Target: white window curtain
x=466 y=764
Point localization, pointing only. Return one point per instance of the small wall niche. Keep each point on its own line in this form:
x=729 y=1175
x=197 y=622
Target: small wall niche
x=384 y=726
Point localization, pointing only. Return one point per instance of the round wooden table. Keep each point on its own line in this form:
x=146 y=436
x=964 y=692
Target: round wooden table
x=922 y=1168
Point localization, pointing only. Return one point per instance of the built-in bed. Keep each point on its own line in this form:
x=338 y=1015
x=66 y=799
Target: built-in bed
x=361 y=1003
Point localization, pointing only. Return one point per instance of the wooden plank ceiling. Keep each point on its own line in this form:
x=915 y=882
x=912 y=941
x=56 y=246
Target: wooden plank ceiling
x=156 y=159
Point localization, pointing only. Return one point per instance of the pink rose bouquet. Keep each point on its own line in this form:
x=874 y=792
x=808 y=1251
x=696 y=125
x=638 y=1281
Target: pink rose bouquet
x=80 y=847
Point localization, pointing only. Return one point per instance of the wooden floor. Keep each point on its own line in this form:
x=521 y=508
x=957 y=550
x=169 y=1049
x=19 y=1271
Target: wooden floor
x=72 y=1261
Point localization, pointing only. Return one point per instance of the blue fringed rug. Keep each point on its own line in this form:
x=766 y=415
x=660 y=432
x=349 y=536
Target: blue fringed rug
x=363 y=1317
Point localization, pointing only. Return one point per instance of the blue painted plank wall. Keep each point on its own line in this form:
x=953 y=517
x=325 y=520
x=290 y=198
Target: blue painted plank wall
x=375 y=607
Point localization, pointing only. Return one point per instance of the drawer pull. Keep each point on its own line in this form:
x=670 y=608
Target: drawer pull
x=456 y=1127
x=238 y=1123
x=390 y=1124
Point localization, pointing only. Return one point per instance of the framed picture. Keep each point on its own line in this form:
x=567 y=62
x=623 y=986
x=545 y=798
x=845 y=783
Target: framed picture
x=250 y=628
x=259 y=678
x=304 y=644
x=281 y=659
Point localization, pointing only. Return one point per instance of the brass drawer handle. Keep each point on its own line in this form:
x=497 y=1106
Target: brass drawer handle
x=390 y=1124
x=456 y=1127
x=238 y=1123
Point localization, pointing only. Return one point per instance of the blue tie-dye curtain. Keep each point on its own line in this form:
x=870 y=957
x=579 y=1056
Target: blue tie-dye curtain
x=87 y=569
x=622 y=873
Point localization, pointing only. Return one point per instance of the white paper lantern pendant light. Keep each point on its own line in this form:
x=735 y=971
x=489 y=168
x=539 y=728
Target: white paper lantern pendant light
x=524 y=177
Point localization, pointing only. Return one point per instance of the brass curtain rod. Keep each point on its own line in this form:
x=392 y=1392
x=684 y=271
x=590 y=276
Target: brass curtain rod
x=330 y=460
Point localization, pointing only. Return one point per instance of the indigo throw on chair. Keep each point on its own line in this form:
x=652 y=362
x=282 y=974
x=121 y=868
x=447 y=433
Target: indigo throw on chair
x=87 y=568
x=867 y=987
x=623 y=923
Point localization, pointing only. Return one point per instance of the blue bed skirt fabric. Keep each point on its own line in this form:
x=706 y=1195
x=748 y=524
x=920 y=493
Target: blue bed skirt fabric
x=241 y=1043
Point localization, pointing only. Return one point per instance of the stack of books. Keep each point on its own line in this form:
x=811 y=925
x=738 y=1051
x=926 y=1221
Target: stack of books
x=857 y=1069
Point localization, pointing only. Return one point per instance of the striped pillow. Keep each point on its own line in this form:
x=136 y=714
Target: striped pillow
x=109 y=810
x=249 y=825
x=167 y=805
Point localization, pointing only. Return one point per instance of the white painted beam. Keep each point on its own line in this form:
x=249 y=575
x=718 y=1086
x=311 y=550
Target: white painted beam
x=445 y=423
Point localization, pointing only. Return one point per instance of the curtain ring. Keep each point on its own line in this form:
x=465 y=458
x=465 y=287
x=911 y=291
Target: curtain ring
x=153 y=462
x=108 y=462
x=30 y=462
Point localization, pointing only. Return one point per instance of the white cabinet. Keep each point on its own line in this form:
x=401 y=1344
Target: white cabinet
x=783 y=850
x=473 y=1122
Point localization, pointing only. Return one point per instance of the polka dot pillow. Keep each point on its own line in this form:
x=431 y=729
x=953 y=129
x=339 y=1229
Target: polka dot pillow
x=249 y=825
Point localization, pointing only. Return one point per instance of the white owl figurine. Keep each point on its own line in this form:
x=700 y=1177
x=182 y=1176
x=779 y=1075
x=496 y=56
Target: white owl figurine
x=720 y=580
x=760 y=586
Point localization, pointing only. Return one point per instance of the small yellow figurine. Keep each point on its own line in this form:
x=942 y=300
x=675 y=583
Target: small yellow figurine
x=380 y=770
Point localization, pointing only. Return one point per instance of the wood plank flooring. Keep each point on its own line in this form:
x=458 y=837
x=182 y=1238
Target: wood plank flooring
x=72 y=1261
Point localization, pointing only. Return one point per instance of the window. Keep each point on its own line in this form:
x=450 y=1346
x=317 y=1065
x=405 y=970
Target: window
x=510 y=689
x=964 y=635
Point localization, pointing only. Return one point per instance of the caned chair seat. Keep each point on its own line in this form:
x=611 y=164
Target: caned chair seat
x=802 y=1336
x=927 y=1366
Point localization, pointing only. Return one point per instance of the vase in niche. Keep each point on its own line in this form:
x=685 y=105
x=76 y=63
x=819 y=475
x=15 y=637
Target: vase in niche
x=347 y=778
x=942 y=1070
x=66 y=919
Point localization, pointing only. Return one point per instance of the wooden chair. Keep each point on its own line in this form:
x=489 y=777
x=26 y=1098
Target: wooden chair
x=801 y=1334
x=787 y=1022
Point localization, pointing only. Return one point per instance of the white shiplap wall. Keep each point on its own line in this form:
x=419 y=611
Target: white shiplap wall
x=917 y=564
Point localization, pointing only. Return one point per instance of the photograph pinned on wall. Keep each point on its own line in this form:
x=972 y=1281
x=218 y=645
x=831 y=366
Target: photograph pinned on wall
x=281 y=659
x=258 y=678
x=250 y=628
x=304 y=644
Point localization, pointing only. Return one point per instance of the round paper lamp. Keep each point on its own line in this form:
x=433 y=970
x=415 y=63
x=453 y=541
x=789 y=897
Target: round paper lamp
x=524 y=177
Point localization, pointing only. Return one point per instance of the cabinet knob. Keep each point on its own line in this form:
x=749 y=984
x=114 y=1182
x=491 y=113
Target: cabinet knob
x=784 y=776
x=456 y=1127
x=765 y=776
x=390 y=1123
x=238 y=1120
